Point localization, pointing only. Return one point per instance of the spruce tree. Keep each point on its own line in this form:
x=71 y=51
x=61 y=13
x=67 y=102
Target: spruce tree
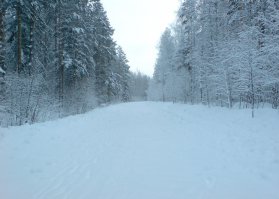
x=104 y=52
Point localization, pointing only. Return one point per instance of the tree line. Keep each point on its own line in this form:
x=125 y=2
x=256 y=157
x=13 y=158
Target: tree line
x=223 y=53
x=58 y=58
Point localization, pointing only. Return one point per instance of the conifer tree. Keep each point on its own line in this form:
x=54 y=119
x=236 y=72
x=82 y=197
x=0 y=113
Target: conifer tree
x=104 y=52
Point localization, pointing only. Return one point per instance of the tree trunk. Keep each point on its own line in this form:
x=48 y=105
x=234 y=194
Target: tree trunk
x=229 y=89
x=2 y=36
x=191 y=85
x=60 y=58
x=19 y=38
x=251 y=67
x=32 y=27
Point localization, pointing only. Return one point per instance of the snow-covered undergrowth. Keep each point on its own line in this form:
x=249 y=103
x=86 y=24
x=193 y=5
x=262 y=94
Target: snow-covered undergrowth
x=144 y=151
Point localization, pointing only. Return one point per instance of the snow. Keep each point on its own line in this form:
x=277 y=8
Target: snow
x=2 y=71
x=144 y=150
x=79 y=30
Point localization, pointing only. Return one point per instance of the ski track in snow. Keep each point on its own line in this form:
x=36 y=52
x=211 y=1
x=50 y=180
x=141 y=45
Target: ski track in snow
x=144 y=150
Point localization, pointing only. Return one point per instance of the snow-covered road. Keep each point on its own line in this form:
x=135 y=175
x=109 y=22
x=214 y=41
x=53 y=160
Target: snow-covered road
x=144 y=151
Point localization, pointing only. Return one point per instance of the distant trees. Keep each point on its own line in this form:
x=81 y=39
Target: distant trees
x=162 y=78
x=57 y=58
x=226 y=53
x=139 y=85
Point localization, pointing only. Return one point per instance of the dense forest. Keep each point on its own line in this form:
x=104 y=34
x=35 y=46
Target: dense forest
x=58 y=58
x=223 y=53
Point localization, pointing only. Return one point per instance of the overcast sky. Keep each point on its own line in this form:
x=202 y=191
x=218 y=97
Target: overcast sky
x=138 y=26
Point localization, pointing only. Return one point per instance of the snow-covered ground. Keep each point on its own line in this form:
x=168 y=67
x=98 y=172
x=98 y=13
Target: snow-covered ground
x=144 y=151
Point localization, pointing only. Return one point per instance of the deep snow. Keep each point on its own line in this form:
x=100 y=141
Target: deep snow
x=144 y=151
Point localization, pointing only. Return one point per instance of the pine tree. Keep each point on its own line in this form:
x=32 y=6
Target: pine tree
x=20 y=21
x=187 y=16
x=104 y=52
x=123 y=74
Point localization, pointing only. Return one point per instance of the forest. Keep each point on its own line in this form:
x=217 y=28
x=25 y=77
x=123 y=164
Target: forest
x=220 y=53
x=58 y=58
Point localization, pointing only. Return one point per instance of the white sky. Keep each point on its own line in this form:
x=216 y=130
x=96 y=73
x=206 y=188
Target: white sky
x=138 y=27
